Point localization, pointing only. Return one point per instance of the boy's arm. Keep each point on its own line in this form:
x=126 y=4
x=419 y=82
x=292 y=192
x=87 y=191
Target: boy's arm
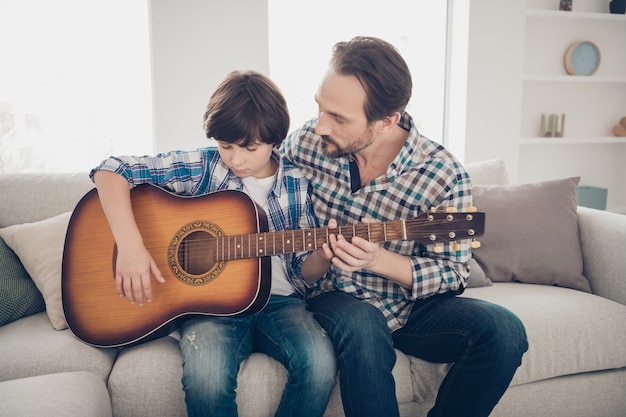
x=316 y=264
x=134 y=264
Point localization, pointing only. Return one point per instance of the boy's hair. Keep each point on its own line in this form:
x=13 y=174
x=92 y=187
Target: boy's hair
x=381 y=70
x=246 y=107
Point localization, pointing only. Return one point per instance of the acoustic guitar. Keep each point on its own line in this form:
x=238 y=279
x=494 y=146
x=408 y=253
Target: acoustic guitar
x=213 y=251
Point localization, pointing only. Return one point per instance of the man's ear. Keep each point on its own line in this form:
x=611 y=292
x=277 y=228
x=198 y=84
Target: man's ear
x=390 y=121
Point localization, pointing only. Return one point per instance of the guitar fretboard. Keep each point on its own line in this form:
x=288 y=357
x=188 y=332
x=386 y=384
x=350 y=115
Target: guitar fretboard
x=302 y=240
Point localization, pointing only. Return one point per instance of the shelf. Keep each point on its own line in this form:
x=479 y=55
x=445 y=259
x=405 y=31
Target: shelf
x=544 y=13
x=601 y=140
x=573 y=79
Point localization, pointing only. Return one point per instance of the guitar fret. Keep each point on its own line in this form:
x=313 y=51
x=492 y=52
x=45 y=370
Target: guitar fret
x=327 y=236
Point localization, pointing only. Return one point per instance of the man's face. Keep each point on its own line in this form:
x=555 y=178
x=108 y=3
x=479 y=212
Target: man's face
x=342 y=124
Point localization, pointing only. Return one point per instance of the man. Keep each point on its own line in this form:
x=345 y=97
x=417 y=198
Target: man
x=365 y=160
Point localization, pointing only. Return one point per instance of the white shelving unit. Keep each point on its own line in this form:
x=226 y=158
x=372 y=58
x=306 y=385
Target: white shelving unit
x=592 y=104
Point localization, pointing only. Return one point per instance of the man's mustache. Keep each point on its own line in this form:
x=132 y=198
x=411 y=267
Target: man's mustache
x=328 y=140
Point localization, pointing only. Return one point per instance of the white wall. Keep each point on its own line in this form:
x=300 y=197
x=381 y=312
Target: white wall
x=195 y=43
x=494 y=89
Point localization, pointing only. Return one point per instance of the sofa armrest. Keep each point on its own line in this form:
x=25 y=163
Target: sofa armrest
x=603 y=241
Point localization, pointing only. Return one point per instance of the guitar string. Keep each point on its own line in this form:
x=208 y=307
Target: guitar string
x=215 y=243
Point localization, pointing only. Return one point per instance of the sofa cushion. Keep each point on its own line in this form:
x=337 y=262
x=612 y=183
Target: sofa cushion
x=147 y=377
x=568 y=331
x=531 y=233
x=477 y=277
x=30 y=347
x=20 y=297
x=58 y=192
x=135 y=382
x=39 y=246
x=65 y=394
x=492 y=171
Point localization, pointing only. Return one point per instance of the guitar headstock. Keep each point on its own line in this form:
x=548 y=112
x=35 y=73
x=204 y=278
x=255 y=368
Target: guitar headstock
x=448 y=225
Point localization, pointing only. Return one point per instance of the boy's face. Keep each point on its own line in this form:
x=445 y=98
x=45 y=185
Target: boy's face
x=250 y=161
x=342 y=124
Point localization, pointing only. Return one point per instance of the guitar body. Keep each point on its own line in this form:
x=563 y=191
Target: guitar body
x=196 y=283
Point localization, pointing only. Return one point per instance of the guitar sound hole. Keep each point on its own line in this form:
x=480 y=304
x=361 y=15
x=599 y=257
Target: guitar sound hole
x=195 y=254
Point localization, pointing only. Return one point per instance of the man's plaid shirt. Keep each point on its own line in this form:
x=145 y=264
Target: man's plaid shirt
x=422 y=176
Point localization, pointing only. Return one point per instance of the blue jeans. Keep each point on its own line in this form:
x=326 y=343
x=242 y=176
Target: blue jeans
x=214 y=347
x=483 y=341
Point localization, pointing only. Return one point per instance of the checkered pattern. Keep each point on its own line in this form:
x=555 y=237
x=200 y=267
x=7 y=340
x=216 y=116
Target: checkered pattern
x=194 y=173
x=422 y=176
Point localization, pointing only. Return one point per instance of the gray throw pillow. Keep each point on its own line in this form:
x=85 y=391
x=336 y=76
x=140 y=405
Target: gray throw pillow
x=477 y=277
x=20 y=297
x=531 y=233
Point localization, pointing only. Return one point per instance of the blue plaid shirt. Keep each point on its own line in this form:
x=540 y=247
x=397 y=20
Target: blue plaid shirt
x=195 y=173
x=422 y=176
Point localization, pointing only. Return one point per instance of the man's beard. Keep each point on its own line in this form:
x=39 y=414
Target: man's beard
x=363 y=142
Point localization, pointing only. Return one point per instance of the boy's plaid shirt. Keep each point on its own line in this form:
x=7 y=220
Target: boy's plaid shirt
x=195 y=173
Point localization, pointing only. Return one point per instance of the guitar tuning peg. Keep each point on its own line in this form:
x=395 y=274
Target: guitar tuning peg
x=475 y=244
x=456 y=246
x=450 y=210
x=437 y=249
x=471 y=209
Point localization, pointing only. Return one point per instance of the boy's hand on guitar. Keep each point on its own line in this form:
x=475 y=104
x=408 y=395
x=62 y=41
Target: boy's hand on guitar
x=134 y=271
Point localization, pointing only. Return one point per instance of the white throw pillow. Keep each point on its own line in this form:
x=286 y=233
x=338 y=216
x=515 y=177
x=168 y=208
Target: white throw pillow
x=492 y=171
x=39 y=246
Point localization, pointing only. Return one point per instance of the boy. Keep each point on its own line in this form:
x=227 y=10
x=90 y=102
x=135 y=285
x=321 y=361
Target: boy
x=247 y=116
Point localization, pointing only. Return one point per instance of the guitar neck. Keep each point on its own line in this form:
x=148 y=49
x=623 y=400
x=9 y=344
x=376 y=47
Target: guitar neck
x=427 y=228
x=302 y=240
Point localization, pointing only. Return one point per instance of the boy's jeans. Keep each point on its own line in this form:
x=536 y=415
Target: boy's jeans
x=214 y=347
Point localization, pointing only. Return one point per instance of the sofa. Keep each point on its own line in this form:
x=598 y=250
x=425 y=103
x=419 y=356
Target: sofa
x=560 y=267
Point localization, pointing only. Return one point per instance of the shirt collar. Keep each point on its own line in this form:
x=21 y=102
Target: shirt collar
x=405 y=157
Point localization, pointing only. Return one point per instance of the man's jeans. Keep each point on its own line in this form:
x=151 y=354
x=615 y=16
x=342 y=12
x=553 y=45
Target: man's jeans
x=213 y=348
x=484 y=342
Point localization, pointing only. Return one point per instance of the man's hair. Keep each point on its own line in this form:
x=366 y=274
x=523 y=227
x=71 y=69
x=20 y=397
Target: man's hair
x=380 y=69
x=246 y=107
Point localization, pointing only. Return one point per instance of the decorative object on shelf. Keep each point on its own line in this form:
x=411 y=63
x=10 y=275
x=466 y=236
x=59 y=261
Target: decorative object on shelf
x=619 y=129
x=553 y=125
x=617 y=6
x=565 y=5
x=582 y=58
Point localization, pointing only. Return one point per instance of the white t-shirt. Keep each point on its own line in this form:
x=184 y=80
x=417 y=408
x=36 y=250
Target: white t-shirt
x=257 y=189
